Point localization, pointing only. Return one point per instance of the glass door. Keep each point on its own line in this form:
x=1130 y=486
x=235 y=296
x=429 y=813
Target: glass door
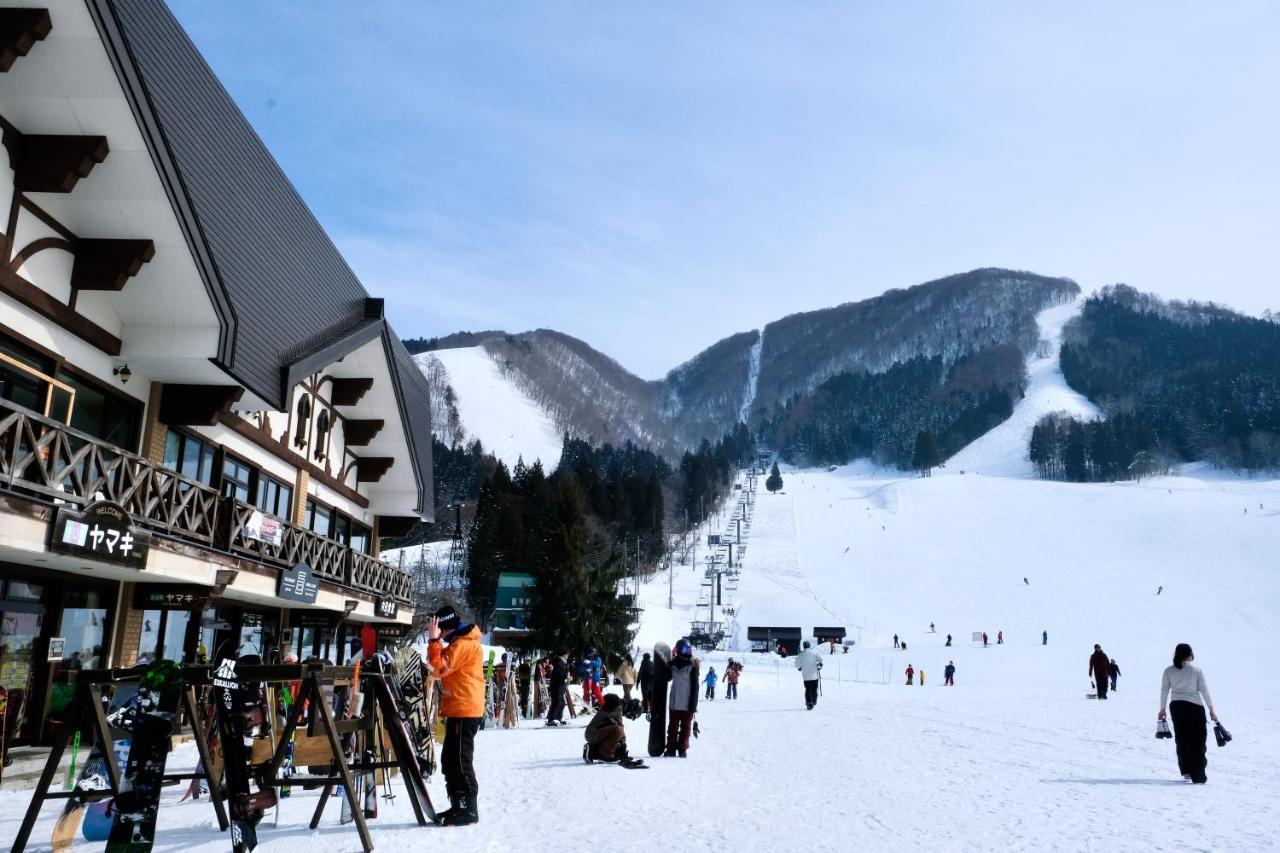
x=18 y=634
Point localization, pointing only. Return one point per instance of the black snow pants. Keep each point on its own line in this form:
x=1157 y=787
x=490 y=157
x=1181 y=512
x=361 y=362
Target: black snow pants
x=556 y=709
x=457 y=754
x=1190 y=736
x=811 y=693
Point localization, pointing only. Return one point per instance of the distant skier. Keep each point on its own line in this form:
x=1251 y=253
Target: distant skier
x=895 y=641
x=922 y=678
x=1027 y=582
x=999 y=638
x=932 y=630
x=646 y=681
x=984 y=639
x=731 y=676
x=810 y=665
x=949 y=674
x=1114 y=671
x=682 y=700
x=911 y=673
x=948 y=640
x=1044 y=638
x=1159 y=590
x=710 y=681
x=1099 y=669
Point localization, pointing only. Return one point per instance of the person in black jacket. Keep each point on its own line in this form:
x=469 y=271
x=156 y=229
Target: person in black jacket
x=556 y=687
x=1100 y=670
x=646 y=681
x=1114 y=671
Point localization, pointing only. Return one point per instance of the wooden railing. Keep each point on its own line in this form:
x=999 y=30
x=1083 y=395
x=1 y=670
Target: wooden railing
x=45 y=458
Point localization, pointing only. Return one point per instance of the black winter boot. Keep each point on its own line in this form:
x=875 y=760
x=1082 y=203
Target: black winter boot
x=449 y=813
x=465 y=815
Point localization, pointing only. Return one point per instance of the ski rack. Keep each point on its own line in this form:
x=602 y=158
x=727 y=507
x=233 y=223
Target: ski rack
x=372 y=684
x=84 y=709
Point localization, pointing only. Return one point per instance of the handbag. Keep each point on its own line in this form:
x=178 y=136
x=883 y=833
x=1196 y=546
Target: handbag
x=1221 y=735
x=1162 y=729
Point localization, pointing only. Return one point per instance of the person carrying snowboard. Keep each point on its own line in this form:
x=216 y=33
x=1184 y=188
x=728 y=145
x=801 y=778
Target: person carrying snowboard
x=949 y=674
x=731 y=676
x=810 y=666
x=646 y=681
x=455 y=655
x=910 y=674
x=682 y=700
x=557 y=675
x=1099 y=666
x=606 y=735
x=1113 y=670
x=710 y=681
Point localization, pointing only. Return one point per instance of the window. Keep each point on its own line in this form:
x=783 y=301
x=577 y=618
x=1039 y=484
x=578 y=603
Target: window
x=275 y=497
x=102 y=414
x=319 y=518
x=25 y=379
x=342 y=528
x=189 y=456
x=360 y=537
x=237 y=479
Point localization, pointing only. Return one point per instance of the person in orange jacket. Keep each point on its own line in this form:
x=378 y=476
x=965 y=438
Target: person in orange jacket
x=455 y=655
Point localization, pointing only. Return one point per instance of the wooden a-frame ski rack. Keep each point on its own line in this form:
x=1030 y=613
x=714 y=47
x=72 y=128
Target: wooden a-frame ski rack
x=85 y=709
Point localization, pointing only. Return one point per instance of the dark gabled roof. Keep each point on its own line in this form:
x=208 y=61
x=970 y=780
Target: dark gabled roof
x=280 y=288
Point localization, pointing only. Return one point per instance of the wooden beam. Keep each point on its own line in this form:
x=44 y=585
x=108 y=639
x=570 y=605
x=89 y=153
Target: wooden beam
x=347 y=392
x=108 y=264
x=52 y=164
x=371 y=469
x=282 y=450
x=20 y=29
x=359 y=433
x=64 y=315
x=196 y=405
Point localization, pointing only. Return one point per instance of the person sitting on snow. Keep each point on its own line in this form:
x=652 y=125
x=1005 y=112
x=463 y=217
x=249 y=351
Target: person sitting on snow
x=606 y=734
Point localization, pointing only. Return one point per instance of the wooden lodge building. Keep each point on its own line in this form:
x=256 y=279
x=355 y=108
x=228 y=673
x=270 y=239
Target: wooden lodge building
x=206 y=423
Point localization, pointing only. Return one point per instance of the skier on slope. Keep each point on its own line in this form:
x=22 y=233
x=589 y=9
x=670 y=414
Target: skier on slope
x=682 y=700
x=1044 y=638
x=710 y=681
x=948 y=641
x=589 y=674
x=810 y=666
x=1099 y=670
x=949 y=674
x=459 y=668
x=646 y=681
x=895 y=641
x=910 y=674
x=606 y=735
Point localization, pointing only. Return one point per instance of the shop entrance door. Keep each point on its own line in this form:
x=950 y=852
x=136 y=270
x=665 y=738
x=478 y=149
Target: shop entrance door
x=19 y=635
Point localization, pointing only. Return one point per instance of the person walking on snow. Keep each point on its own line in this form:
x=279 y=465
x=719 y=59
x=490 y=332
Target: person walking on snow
x=682 y=700
x=810 y=665
x=911 y=673
x=589 y=674
x=556 y=678
x=731 y=676
x=984 y=639
x=454 y=652
x=895 y=641
x=922 y=678
x=1113 y=670
x=626 y=677
x=1099 y=670
x=1187 y=686
x=710 y=681
x=949 y=674
x=999 y=638
x=646 y=681
x=1044 y=638
x=948 y=641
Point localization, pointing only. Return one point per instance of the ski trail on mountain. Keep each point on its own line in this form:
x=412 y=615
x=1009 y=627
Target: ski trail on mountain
x=753 y=378
x=1003 y=451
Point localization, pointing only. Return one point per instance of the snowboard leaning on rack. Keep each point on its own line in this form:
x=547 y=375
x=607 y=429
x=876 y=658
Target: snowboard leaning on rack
x=240 y=715
x=658 y=702
x=134 y=828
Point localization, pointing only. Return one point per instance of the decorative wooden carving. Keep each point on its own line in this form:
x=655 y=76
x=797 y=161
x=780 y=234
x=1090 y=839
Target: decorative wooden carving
x=108 y=264
x=347 y=392
x=372 y=468
x=360 y=432
x=52 y=164
x=20 y=29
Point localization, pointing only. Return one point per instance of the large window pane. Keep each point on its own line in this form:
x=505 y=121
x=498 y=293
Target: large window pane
x=175 y=634
x=149 y=639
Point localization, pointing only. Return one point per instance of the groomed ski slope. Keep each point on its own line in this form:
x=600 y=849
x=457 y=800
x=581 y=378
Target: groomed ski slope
x=1002 y=452
x=507 y=421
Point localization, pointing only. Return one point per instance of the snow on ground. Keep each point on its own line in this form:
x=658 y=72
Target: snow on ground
x=1002 y=451
x=506 y=420
x=1014 y=757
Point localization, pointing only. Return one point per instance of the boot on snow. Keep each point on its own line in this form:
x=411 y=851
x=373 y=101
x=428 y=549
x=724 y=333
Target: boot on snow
x=465 y=815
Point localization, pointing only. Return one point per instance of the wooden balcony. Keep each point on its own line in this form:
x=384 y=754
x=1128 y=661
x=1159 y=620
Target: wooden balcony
x=44 y=459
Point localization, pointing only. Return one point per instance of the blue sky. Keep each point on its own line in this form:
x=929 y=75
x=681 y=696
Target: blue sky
x=653 y=177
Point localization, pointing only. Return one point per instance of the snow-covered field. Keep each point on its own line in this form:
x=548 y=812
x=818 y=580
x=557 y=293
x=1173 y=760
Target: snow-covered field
x=508 y=423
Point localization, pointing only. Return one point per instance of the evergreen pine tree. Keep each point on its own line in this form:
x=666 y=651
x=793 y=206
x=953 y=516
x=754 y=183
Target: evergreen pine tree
x=774 y=483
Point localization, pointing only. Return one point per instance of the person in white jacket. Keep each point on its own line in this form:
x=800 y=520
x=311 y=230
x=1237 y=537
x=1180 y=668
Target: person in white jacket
x=809 y=665
x=1186 y=684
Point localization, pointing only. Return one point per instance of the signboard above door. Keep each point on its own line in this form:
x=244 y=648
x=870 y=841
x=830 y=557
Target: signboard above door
x=103 y=531
x=299 y=584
